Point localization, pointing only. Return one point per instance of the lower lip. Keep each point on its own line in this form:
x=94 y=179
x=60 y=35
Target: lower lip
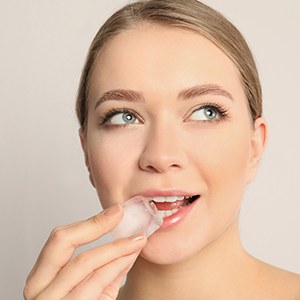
x=178 y=217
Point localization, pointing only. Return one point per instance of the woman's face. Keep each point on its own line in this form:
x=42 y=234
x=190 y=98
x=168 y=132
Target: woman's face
x=168 y=116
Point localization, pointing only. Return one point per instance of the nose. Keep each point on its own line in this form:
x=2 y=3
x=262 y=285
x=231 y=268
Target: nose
x=163 y=151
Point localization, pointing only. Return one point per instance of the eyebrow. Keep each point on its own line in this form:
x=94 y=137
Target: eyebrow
x=203 y=90
x=185 y=94
x=120 y=94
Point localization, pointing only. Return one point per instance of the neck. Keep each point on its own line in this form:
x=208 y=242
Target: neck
x=213 y=271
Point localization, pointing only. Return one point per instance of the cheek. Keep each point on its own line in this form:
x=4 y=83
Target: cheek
x=112 y=162
x=223 y=159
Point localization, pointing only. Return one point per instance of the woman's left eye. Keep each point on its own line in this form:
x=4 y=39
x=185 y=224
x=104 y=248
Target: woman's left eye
x=208 y=113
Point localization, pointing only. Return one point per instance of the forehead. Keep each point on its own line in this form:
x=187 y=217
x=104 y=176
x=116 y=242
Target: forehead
x=164 y=58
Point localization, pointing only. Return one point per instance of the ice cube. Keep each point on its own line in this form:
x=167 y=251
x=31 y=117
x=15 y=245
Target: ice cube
x=140 y=215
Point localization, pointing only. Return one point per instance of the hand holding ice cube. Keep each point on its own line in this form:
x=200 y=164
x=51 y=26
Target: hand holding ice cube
x=92 y=274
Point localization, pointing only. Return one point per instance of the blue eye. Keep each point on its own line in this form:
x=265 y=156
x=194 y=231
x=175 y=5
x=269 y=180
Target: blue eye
x=205 y=114
x=123 y=118
x=209 y=112
x=119 y=117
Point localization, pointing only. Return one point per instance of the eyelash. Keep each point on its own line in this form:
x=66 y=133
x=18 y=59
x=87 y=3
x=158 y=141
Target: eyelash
x=112 y=112
x=222 y=114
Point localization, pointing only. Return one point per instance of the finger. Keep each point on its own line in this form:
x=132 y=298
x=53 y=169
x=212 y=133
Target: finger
x=112 y=290
x=94 y=286
x=86 y=263
x=61 y=244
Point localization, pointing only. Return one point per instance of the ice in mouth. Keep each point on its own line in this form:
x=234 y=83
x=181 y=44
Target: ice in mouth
x=140 y=216
x=170 y=205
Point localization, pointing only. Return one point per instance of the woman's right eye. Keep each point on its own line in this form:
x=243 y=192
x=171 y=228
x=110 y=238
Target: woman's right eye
x=116 y=117
x=123 y=118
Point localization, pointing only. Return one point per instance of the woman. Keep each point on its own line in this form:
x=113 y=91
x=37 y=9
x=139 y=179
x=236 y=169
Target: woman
x=169 y=106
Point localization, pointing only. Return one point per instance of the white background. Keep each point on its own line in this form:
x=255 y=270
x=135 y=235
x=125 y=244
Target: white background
x=44 y=182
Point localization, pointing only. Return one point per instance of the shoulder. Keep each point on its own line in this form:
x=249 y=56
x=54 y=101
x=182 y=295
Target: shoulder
x=278 y=283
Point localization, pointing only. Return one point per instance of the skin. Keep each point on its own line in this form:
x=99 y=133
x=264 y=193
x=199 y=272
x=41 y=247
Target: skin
x=170 y=145
x=169 y=148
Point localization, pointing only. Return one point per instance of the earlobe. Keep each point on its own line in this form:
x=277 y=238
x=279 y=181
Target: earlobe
x=258 y=145
x=84 y=149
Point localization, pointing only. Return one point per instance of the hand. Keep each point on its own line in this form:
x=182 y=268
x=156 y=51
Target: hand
x=93 y=274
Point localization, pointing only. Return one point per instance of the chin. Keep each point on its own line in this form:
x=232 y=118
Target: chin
x=163 y=255
x=167 y=249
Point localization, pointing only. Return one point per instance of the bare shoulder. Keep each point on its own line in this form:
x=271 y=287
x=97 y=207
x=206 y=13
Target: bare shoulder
x=279 y=283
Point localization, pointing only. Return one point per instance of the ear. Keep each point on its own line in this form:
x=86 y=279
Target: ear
x=83 y=142
x=258 y=145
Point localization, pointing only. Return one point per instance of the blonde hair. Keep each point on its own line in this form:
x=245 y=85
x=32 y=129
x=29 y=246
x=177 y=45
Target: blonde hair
x=185 y=14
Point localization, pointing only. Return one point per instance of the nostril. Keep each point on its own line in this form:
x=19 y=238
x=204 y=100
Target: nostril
x=150 y=168
x=156 y=158
x=175 y=166
x=159 y=166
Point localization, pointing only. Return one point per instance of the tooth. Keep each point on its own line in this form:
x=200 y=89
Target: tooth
x=167 y=198
x=174 y=210
x=168 y=213
x=171 y=198
x=159 y=199
x=161 y=213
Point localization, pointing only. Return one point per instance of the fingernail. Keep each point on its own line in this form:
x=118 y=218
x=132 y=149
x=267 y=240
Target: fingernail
x=113 y=210
x=137 y=237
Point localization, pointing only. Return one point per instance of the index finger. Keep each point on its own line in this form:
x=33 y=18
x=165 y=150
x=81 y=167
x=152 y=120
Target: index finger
x=63 y=241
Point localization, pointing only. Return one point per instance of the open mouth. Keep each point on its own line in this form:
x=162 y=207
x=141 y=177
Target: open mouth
x=170 y=205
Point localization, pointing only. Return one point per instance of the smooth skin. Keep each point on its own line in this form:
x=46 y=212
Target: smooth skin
x=168 y=143
x=165 y=142
x=93 y=274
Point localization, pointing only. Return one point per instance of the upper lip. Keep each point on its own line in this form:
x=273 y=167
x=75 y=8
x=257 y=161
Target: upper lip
x=165 y=193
